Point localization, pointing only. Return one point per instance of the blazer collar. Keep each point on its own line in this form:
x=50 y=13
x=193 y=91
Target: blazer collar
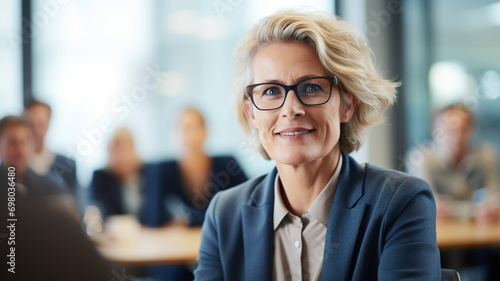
x=344 y=223
x=264 y=191
x=257 y=221
x=350 y=185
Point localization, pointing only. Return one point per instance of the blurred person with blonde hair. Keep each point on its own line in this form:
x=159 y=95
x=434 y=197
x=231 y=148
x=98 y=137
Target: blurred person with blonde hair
x=189 y=182
x=118 y=188
x=306 y=89
x=184 y=187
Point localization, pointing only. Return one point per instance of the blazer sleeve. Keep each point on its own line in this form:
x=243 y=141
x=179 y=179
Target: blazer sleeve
x=409 y=250
x=239 y=175
x=93 y=195
x=154 y=213
x=209 y=262
x=99 y=194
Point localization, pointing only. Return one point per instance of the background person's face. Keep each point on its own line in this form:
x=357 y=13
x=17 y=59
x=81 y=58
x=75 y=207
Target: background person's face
x=192 y=131
x=288 y=63
x=453 y=129
x=15 y=147
x=38 y=117
x=122 y=149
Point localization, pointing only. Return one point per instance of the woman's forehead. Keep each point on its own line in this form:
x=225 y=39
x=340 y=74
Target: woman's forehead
x=286 y=63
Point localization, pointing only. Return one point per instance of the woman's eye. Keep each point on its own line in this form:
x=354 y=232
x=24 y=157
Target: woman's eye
x=311 y=88
x=271 y=92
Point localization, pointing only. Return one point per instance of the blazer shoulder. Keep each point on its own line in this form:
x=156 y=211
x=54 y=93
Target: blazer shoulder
x=165 y=163
x=386 y=185
x=64 y=159
x=102 y=177
x=230 y=200
x=164 y=167
x=101 y=173
x=45 y=185
x=395 y=190
x=393 y=180
x=224 y=160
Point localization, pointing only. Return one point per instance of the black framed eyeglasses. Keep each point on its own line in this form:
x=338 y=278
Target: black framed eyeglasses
x=309 y=91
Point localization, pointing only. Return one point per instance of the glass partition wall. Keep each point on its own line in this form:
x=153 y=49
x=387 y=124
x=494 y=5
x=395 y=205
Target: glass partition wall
x=452 y=55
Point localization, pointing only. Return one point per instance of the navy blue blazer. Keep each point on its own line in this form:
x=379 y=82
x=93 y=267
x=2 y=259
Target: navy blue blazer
x=382 y=226
x=44 y=227
x=36 y=186
x=106 y=192
x=63 y=172
x=225 y=173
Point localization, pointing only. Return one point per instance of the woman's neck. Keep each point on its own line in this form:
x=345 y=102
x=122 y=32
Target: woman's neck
x=126 y=172
x=193 y=157
x=301 y=184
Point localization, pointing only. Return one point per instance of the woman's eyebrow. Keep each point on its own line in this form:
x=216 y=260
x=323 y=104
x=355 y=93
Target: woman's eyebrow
x=272 y=81
x=296 y=81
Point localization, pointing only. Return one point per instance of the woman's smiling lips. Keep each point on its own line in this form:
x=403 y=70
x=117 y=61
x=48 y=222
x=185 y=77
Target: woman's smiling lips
x=294 y=133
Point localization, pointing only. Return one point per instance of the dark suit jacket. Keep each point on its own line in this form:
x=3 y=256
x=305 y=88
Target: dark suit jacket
x=36 y=186
x=50 y=245
x=49 y=241
x=225 y=173
x=63 y=172
x=382 y=226
x=106 y=193
x=41 y=232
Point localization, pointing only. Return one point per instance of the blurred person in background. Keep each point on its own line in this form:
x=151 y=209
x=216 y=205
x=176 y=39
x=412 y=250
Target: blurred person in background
x=57 y=167
x=15 y=150
x=48 y=241
x=462 y=174
x=118 y=188
x=185 y=186
x=190 y=182
x=464 y=179
x=124 y=187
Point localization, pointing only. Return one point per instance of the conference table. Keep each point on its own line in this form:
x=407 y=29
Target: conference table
x=456 y=234
x=180 y=244
x=152 y=246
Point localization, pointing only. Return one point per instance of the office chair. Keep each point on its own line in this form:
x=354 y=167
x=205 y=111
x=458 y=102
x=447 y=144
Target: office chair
x=449 y=275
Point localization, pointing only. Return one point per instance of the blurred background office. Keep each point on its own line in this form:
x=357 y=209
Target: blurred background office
x=104 y=64
x=101 y=65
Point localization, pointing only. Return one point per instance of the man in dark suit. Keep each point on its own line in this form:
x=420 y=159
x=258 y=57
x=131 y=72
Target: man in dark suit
x=14 y=154
x=43 y=239
x=44 y=162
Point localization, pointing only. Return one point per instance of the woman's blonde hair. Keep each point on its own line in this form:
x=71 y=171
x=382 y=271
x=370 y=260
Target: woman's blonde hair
x=341 y=51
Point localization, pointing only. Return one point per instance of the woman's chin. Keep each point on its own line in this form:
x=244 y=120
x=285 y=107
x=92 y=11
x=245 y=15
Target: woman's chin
x=293 y=157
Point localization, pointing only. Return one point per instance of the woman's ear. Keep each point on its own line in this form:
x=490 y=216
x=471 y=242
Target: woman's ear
x=348 y=108
x=249 y=112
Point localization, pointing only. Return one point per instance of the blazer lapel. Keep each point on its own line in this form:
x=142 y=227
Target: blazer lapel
x=258 y=231
x=344 y=222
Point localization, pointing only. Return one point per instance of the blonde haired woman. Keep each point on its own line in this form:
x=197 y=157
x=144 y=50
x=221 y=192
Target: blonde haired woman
x=118 y=188
x=306 y=88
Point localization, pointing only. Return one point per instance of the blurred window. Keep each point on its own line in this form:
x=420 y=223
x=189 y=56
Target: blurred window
x=452 y=55
x=137 y=63
x=10 y=57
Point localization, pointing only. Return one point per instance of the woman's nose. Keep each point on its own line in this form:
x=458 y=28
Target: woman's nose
x=292 y=107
